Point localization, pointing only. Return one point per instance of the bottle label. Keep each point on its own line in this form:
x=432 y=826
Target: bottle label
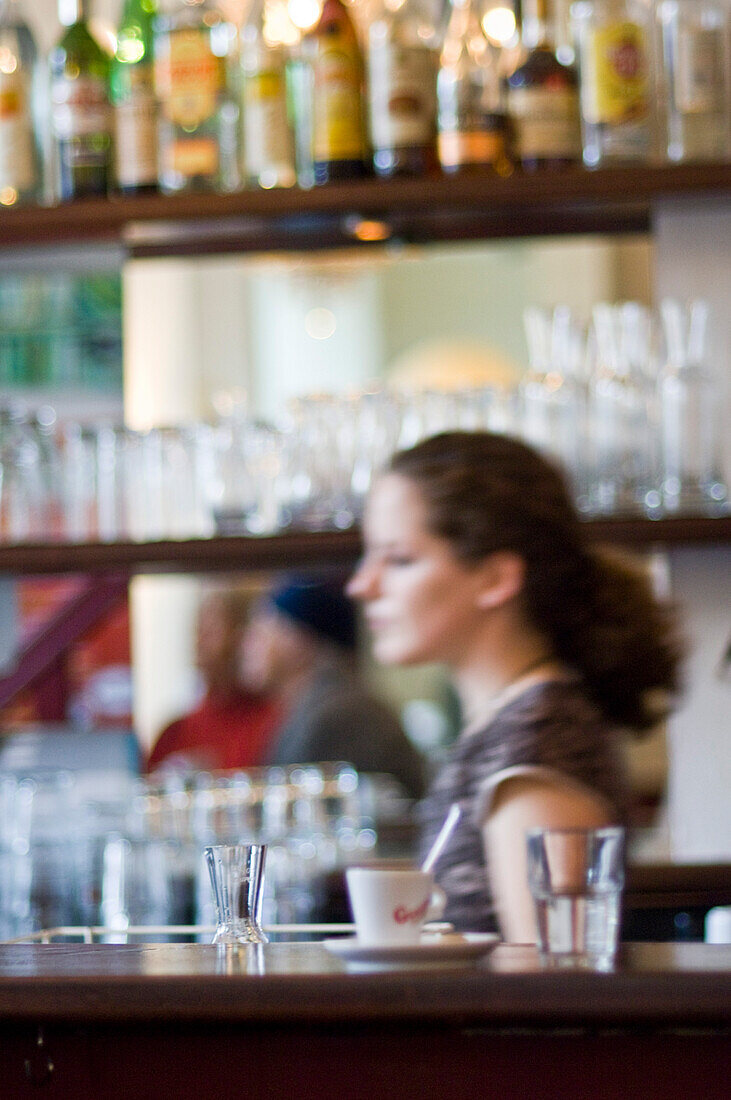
x=699 y=71
x=17 y=166
x=266 y=131
x=135 y=119
x=80 y=108
x=188 y=78
x=462 y=147
x=336 y=107
x=194 y=156
x=615 y=80
x=546 y=123
x=403 y=103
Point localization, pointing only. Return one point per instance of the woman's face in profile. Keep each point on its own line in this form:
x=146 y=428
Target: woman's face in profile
x=419 y=599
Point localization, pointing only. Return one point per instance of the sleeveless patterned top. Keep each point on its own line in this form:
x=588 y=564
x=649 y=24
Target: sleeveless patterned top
x=550 y=725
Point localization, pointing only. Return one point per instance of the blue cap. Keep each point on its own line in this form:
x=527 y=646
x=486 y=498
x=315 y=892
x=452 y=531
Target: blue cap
x=320 y=605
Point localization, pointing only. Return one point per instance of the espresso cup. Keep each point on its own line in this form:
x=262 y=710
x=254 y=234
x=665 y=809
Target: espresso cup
x=390 y=905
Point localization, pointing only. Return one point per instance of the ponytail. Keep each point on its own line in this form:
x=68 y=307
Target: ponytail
x=608 y=625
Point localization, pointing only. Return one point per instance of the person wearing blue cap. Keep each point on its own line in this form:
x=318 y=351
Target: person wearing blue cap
x=300 y=648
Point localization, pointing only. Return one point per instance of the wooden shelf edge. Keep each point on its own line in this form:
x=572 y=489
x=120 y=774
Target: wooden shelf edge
x=672 y=531
x=233 y=554
x=572 y=200
x=221 y=554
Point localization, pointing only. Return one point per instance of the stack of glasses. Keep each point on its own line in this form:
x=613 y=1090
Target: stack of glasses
x=135 y=856
x=629 y=405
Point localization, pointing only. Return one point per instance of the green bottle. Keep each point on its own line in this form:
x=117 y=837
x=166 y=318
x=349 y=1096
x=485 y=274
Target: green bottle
x=81 y=115
x=133 y=100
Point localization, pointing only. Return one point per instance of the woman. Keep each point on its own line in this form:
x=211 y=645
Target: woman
x=475 y=558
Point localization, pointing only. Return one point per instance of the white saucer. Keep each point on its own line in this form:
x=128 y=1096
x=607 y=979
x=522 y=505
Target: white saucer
x=455 y=947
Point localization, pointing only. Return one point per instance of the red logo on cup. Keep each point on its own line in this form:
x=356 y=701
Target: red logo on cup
x=402 y=915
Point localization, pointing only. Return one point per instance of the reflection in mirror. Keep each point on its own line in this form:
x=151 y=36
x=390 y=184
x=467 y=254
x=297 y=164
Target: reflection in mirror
x=205 y=331
x=207 y=334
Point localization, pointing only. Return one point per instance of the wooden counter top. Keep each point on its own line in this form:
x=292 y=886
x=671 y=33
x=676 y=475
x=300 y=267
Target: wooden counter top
x=663 y=985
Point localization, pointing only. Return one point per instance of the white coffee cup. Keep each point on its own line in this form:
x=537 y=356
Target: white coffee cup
x=390 y=905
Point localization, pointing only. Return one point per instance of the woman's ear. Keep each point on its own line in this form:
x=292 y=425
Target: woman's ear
x=503 y=577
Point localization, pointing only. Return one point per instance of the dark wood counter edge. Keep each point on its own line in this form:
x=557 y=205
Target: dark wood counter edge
x=474 y=996
x=484 y=1000
x=655 y=885
x=238 y=553
x=161 y=221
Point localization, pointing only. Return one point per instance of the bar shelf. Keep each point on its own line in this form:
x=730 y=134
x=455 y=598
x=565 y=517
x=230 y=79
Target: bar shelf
x=474 y=206
x=301 y=549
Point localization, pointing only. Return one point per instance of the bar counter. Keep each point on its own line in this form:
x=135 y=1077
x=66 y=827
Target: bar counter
x=292 y=1020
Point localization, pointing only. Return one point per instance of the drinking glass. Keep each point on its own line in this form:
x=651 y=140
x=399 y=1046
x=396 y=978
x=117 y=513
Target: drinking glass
x=623 y=472
x=237 y=880
x=24 y=502
x=79 y=482
x=136 y=886
x=551 y=397
x=576 y=877
x=690 y=400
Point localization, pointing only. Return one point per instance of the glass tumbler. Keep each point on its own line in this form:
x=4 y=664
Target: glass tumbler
x=576 y=878
x=237 y=879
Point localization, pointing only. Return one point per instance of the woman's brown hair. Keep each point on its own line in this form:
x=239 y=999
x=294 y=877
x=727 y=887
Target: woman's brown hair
x=485 y=492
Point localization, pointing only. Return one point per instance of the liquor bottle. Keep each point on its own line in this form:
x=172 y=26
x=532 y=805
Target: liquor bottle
x=473 y=123
x=198 y=115
x=614 y=41
x=542 y=97
x=402 y=61
x=133 y=99
x=696 y=47
x=81 y=116
x=299 y=81
x=20 y=176
x=267 y=142
x=338 y=134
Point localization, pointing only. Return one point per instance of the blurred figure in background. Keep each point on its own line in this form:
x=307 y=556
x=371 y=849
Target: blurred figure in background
x=300 y=648
x=231 y=726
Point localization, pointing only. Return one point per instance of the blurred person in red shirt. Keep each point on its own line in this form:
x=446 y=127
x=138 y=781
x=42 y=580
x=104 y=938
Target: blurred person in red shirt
x=231 y=726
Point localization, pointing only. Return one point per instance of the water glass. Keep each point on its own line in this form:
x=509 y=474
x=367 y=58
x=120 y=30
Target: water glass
x=622 y=455
x=237 y=880
x=136 y=886
x=576 y=878
x=690 y=401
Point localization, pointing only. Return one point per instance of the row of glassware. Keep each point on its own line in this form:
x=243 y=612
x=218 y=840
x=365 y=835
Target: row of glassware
x=69 y=857
x=629 y=405
x=308 y=91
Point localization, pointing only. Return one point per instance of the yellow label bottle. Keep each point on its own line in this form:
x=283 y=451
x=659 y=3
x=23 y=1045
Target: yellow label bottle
x=338 y=131
x=613 y=38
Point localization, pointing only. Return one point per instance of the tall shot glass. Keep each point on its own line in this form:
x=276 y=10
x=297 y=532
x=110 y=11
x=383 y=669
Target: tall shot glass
x=576 y=878
x=237 y=880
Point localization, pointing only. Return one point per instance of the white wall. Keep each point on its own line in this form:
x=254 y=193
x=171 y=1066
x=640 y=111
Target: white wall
x=699 y=734
x=693 y=259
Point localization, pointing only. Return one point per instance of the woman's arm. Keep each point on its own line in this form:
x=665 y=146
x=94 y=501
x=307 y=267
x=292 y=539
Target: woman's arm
x=521 y=803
